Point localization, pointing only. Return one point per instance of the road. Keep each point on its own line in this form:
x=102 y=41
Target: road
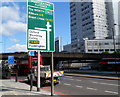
x=71 y=85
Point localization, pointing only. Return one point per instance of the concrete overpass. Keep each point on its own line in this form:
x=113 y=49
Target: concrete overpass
x=63 y=56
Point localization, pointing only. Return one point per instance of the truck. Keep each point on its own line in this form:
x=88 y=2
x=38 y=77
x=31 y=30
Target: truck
x=45 y=72
x=45 y=75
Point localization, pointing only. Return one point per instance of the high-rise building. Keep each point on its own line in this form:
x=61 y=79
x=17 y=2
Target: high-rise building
x=119 y=17
x=58 y=44
x=119 y=24
x=92 y=20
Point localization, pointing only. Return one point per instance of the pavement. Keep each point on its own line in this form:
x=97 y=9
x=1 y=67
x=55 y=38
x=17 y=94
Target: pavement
x=10 y=87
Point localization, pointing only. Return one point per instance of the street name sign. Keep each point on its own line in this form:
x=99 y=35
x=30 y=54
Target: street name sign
x=40 y=32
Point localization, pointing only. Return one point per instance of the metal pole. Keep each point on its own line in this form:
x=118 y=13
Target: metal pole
x=16 y=77
x=113 y=39
x=52 y=79
x=38 y=72
x=31 y=80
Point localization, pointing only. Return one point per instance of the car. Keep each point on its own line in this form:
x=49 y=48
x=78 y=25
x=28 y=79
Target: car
x=85 y=68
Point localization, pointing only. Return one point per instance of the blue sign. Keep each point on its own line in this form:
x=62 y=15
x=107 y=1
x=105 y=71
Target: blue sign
x=48 y=12
x=32 y=53
x=10 y=59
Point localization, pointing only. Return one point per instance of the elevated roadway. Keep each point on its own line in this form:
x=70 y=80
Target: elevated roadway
x=81 y=57
x=63 y=56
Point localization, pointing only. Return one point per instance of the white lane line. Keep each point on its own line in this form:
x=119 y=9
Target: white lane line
x=94 y=82
x=79 y=86
x=68 y=79
x=111 y=92
x=91 y=88
x=78 y=80
x=109 y=84
x=105 y=83
x=68 y=76
x=66 y=84
x=71 y=79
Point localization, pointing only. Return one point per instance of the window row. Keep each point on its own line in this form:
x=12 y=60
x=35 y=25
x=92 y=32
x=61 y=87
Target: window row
x=86 y=18
x=87 y=23
x=72 y=10
x=72 y=15
x=86 y=12
x=102 y=50
x=85 y=8
x=73 y=24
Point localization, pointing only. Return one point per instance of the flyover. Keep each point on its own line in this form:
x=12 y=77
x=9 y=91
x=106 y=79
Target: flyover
x=63 y=56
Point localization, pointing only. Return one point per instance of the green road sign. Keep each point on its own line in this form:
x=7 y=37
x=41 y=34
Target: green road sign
x=40 y=26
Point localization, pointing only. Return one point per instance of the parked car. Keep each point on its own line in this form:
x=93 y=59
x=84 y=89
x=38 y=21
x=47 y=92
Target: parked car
x=85 y=68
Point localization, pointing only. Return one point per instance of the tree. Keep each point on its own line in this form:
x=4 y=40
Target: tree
x=106 y=52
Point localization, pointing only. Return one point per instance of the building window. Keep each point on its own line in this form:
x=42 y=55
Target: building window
x=106 y=43
x=96 y=50
x=111 y=49
x=101 y=50
x=106 y=49
x=89 y=50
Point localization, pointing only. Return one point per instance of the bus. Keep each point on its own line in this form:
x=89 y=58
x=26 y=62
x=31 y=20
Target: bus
x=111 y=64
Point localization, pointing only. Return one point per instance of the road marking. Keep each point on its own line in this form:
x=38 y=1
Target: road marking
x=68 y=76
x=78 y=80
x=91 y=88
x=111 y=92
x=109 y=84
x=79 y=86
x=66 y=84
x=105 y=83
x=71 y=79
x=68 y=79
x=94 y=82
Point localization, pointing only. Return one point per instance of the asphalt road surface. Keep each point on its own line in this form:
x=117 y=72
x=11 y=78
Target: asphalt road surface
x=71 y=85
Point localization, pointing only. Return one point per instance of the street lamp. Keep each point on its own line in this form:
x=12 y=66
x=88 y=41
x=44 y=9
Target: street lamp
x=114 y=39
x=113 y=32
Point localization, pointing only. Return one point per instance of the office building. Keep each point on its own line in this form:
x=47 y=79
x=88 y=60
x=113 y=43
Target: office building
x=67 y=48
x=119 y=23
x=92 y=20
x=101 y=45
x=58 y=44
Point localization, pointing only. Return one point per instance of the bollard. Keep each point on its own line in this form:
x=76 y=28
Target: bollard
x=31 y=80
x=16 y=78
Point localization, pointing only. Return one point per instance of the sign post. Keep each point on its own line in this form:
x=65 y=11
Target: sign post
x=40 y=33
x=38 y=74
x=52 y=78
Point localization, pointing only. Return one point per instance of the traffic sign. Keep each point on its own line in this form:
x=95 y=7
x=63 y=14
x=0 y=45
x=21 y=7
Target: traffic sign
x=10 y=59
x=40 y=26
x=32 y=53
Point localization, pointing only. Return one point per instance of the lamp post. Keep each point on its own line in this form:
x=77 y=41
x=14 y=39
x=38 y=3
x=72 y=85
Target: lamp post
x=113 y=32
x=113 y=39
